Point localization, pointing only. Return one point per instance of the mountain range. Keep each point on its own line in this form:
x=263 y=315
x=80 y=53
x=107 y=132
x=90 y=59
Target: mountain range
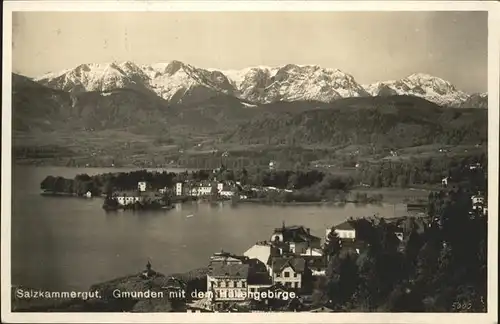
x=180 y=83
x=181 y=105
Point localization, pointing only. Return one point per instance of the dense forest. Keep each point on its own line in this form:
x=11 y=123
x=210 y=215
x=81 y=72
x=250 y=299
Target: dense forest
x=429 y=171
x=439 y=267
x=383 y=122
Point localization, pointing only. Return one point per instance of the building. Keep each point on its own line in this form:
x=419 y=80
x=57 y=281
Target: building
x=288 y=271
x=127 y=197
x=204 y=189
x=130 y=197
x=88 y=194
x=344 y=231
x=142 y=186
x=179 y=189
x=477 y=202
x=444 y=182
x=227 y=281
x=298 y=238
x=226 y=190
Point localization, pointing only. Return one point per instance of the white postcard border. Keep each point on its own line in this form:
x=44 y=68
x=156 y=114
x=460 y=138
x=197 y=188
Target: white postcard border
x=493 y=157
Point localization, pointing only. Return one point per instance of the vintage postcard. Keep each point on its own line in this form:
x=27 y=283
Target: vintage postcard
x=253 y=162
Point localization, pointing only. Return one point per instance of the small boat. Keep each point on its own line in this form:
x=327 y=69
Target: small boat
x=189 y=216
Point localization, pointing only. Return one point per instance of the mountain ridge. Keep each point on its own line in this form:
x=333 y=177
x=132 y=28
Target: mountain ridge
x=179 y=82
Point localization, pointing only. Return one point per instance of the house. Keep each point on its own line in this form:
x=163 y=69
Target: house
x=477 y=201
x=142 y=186
x=193 y=191
x=288 y=271
x=298 y=238
x=88 y=194
x=225 y=190
x=179 y=186
x=444 y=182
x=344 y=230
x=204 y=189
x=227 y=281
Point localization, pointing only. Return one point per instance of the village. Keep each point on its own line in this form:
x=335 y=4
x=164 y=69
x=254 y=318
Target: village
x=189 y=190
x=278 y=274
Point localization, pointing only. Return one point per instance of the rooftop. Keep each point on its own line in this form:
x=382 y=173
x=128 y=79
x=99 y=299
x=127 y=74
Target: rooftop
x=259 y=251
x=344 y=226
x=295 y=234
x=231 y=270
x=279 y=263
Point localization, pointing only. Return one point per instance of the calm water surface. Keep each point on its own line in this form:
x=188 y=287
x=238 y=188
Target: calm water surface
x=71 y=243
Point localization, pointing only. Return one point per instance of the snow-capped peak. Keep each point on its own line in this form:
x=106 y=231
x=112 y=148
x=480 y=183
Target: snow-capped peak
x=175 y=80
x=422 y=85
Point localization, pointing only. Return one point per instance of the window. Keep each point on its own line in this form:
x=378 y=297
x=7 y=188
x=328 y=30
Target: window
x=288 y=284
x=278 y=274
x=287 y=274
x=222 y=284
x=230 y=284
x=295 y=274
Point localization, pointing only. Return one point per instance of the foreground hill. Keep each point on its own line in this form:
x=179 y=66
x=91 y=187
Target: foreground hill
x=36 y=107
x=398 y=121
x=40 y=108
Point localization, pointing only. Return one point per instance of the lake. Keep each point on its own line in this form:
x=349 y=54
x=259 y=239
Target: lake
x=63 y=243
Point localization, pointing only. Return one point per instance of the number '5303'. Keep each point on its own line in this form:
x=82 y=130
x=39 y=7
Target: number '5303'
x=457 y=306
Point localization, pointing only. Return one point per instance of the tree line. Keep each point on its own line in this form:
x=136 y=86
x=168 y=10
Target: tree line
x=430 y=171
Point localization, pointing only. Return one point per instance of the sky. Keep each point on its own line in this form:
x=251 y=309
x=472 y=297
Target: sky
x=371 y=46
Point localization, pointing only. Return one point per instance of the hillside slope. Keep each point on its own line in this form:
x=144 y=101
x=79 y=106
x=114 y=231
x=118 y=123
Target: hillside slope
x=398 y=121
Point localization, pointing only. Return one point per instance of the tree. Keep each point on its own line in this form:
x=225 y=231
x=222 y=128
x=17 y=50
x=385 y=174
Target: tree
x=48 y=184
x=332 y=246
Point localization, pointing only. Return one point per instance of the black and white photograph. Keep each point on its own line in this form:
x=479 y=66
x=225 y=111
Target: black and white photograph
x=249 y=161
